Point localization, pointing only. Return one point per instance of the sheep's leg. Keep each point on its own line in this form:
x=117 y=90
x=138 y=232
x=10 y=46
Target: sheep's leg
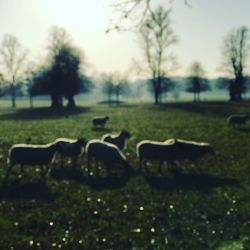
x=44 y=171
x=22 y=170
x=7 y=174
x=172 y=167
x=160 y=167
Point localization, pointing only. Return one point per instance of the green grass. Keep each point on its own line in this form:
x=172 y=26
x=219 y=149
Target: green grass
x=206 y=207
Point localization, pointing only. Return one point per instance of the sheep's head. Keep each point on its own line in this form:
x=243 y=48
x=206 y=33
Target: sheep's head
x=81 y=141
x=125 y=134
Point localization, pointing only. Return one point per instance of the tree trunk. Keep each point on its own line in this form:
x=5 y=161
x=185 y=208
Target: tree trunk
x=71 y=102
x=56 y=101
x=13 y=95
x=31 y=101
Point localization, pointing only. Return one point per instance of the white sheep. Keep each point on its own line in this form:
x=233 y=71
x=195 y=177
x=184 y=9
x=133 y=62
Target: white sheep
x=170 y=151
x=71 y=148
x=237 y=119
x=28 y=154
x=99 y=121
x=118 y=139
x=107 y=153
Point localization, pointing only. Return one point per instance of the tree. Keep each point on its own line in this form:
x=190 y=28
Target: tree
x=121 y=88
x=157 y=37
x=63 y=78
x=196 y=82
x=58 y=38
x=235 y=53
x=13 y=57
x=108 y=87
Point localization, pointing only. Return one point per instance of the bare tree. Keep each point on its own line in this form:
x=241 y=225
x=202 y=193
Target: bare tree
x=157 y=37
x=13 y=57
x=197 y=82
x=235 y=53
x=58 y=38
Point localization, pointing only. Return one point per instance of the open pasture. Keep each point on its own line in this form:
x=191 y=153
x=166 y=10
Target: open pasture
x=205 y=207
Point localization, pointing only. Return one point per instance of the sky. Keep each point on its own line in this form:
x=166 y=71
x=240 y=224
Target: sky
x=200 y=29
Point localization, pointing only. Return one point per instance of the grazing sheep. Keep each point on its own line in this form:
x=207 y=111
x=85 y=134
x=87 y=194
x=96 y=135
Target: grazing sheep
x=171 y=150
x=118 y=140
x=107 y=153
x=100 y=121
x=28 y=154
x=71 y=148
x=237 y=119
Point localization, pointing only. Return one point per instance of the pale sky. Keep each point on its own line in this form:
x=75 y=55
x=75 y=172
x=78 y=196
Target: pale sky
x=200 y=30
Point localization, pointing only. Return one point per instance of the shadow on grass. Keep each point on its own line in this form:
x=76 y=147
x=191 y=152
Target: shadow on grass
x=65 y=173
x=245 y=130
x=101 y=129
x=201 y=182
x=42 y=113
x=219 y=109
x=26 y=191
x=107 y=182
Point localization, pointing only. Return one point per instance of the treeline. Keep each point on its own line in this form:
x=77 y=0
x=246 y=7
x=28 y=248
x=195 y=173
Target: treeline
x=61 y=74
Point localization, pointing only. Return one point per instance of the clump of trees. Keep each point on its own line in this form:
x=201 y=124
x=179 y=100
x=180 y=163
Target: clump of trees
x=196 y=82
x=114 y=86
x=63 y=77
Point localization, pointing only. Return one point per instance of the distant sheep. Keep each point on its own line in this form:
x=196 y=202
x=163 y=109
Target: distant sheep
x=107 y=153
x=71 y=148
x=237 y=119
x=171 y=150
x=118 y=140
x=28 y=154
x=100 y=121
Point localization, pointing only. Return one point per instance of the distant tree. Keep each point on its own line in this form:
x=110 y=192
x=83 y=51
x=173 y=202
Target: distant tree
x=13 y=57
x=196 y=82
x=108 y=87
x=235 y=53
x=63 y=78
x=121 y=88
x=157 y=37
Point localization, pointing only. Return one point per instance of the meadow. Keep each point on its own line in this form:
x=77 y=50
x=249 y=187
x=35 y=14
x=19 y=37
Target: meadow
x=206 y=206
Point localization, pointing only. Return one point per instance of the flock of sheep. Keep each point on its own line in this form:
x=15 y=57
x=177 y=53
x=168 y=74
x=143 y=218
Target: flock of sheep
x=105 y=152
x=108 y=150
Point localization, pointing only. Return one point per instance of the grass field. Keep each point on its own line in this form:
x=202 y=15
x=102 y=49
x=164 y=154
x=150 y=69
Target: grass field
x=206 y=207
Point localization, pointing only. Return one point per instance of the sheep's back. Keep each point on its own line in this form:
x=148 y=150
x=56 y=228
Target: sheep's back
x=31 y=155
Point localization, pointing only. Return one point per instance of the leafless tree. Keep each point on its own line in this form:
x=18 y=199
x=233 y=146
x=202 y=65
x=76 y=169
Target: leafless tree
x=235 y=54
x=157 y=37
x=13 y=57
x=58 y=38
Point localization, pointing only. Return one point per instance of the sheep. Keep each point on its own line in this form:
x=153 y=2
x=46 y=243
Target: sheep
x=29 y=154
x=170 y=151
x=237 y=119
x=118 y=140
x=71 y=148
x=99 y=121
x=105 y=152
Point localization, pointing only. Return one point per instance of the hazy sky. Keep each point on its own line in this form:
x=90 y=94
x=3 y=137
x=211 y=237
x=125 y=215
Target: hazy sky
x=200 y=30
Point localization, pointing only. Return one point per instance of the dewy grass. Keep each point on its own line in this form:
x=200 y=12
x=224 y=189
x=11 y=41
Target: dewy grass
x=205 y=207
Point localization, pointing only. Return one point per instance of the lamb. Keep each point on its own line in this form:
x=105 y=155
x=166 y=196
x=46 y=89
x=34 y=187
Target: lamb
x=237 y=119
x=171 y=150
x=105 y=152
x=118 y=140
x=29 y=154
x=71 y=148
x=100 y=121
